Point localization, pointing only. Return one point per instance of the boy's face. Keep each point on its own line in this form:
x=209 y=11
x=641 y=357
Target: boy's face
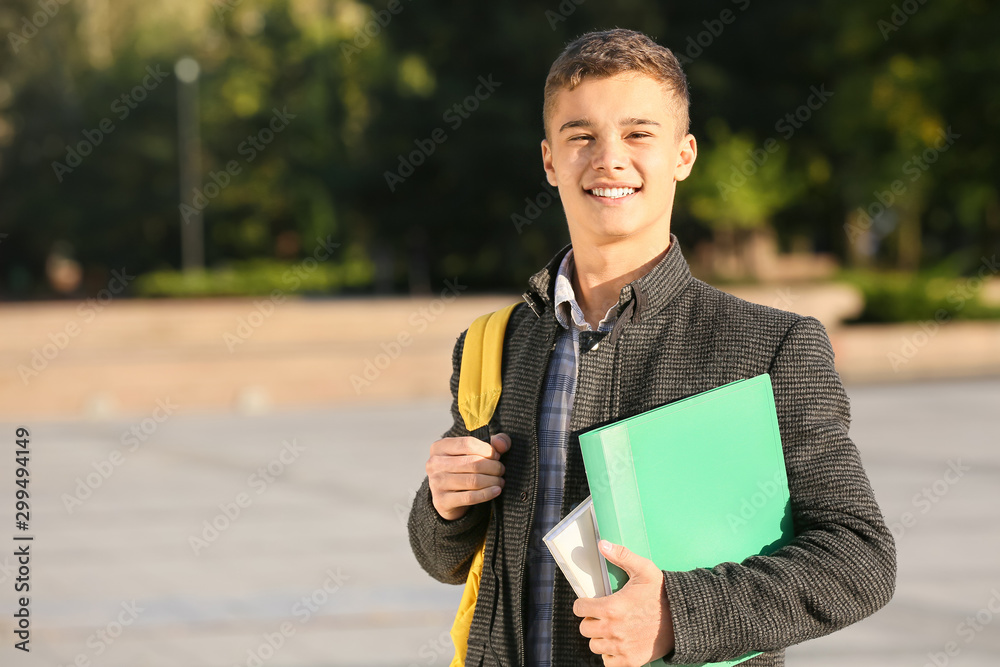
x=616 y=132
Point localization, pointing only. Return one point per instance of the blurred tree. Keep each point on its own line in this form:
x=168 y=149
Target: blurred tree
x=737 y=188
x=386 y=147
x=911 y=130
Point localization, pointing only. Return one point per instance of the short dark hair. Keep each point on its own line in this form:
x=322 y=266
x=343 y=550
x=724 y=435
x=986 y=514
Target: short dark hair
x=611 y=52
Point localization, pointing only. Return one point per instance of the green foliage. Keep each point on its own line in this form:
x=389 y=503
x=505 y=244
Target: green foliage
x=367 y=87
x=739 y=183
x=907 y=297
x=258 y=277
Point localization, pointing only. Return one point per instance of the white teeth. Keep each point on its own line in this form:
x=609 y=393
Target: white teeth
x=612 y=193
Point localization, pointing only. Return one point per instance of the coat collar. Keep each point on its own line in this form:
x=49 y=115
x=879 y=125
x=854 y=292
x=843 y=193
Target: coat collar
x=641 y=298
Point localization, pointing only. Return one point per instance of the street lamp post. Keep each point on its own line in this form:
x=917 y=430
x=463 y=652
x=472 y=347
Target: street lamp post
x=189 y=141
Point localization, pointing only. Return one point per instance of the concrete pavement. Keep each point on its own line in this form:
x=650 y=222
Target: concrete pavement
x=280 y=540
x=253 y=355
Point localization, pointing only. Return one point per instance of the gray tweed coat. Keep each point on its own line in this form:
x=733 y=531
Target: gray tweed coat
x=675 y=336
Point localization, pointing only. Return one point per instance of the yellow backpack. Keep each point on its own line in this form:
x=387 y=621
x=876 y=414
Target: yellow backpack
x=479 y=388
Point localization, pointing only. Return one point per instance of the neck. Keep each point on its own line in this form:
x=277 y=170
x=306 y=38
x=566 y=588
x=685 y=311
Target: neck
x=601 y=271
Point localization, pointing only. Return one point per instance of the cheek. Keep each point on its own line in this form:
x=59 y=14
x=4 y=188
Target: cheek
x=568 y=191
x=572 y=158
x=655 y=164
x=569 y=170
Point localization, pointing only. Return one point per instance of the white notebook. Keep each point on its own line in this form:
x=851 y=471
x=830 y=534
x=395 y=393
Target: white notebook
x=573 y=543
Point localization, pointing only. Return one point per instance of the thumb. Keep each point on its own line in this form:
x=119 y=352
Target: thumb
x=634 y=565
x=501 y=442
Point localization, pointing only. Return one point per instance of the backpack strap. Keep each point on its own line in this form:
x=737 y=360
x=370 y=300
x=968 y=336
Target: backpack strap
x=479 y=383
x=479 y=387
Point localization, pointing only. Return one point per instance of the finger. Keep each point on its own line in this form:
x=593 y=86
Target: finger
x=589 y=607
x=441 y=464
x=501 y=443
x=591 y=627
x=462 y=446
x=471 y=463
x=447 y=502
x=466 y=498
x=634 y=565
x=468 y=481
x=601 y=646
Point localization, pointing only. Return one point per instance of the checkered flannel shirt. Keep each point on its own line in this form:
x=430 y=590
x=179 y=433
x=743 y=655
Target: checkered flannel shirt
x=553 y=434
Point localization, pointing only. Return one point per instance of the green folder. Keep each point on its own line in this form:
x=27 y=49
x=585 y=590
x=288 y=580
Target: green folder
x=693 y=483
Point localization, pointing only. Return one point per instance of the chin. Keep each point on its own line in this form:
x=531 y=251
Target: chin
x=616 y=226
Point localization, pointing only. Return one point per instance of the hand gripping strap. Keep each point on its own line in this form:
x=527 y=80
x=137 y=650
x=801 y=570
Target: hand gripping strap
x=478 y=393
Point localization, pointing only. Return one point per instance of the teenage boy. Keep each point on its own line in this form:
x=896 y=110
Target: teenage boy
x=616 y=325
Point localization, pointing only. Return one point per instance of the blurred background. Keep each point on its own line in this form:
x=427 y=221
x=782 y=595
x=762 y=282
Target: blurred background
x=238 y=239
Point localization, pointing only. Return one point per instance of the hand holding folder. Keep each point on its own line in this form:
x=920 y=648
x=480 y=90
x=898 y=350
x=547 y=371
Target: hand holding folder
x=577 y=550
x=693 y=483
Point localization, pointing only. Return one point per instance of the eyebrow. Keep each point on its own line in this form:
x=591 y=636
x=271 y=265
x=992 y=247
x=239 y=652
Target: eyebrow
x=624 y=122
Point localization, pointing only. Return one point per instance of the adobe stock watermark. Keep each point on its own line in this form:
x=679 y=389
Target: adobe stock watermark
x=30 y=27
x=303 y=609
x=249 y=148
x=786 y=126
x=418 y=320
x=263 y=309
x=928 y=497
x=915 y=167
x=89 y=309
x=454 y=116
x=901 y=13
x=132 y=438
x=121 y=107
x=363 y=35
x=308 y=605
x=533 y=206
x=102 y=639
x=957 y=297
x=784 y=298
x=402 y=510
x=968 y=630
x=230 y=511
x=565 y=9
x=749 y=507
x=697 y=44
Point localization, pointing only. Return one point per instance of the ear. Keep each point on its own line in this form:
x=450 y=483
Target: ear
x=550 y=171
x=687 y=153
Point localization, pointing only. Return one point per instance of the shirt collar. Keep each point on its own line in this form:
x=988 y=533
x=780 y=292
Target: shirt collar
x=655 y=291
x=566 y=307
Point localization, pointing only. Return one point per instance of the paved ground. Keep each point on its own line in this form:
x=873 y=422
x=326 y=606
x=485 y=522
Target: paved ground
x=64 y=361
x=317 y=561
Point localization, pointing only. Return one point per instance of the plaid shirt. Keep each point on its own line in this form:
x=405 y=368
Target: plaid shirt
x=553 y=434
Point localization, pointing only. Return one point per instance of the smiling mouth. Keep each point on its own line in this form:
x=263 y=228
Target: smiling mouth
x=612 y=193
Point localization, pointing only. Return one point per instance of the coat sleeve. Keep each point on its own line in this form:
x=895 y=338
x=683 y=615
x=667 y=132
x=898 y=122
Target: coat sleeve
x=841 y=565
x=445 y=548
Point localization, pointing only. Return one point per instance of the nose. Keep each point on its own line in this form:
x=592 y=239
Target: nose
x=610 y=155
